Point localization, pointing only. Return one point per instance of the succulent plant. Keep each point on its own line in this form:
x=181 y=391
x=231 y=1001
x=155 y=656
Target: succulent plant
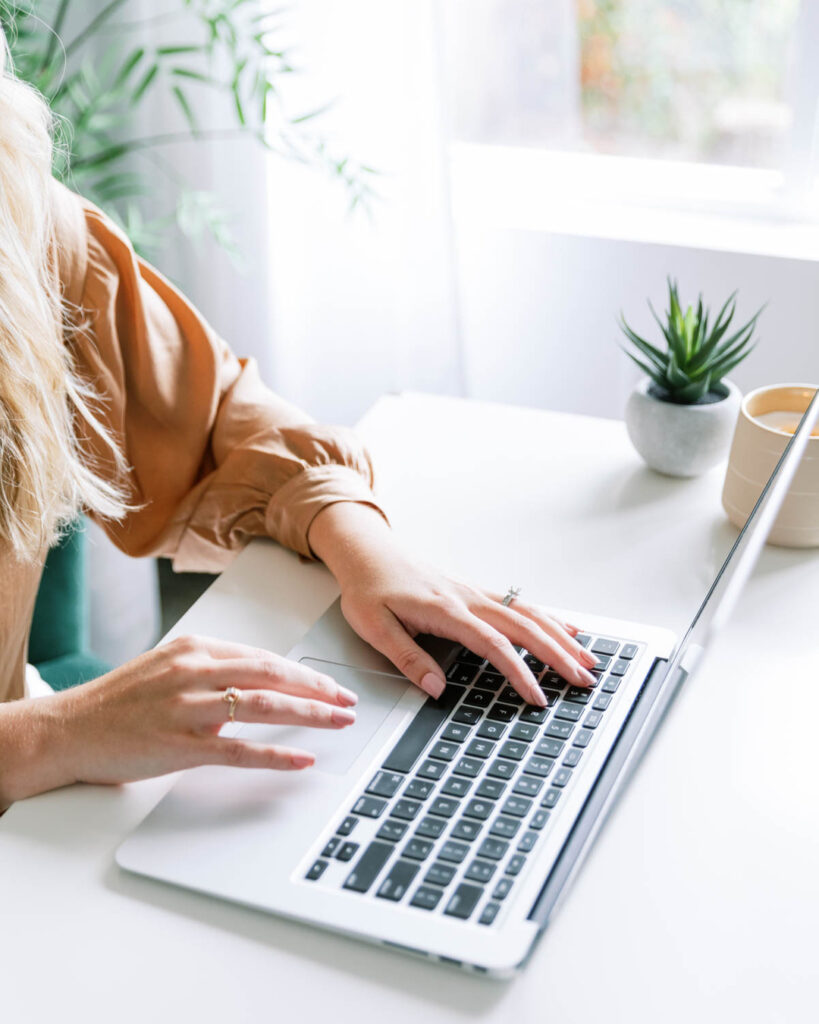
x=696 y=356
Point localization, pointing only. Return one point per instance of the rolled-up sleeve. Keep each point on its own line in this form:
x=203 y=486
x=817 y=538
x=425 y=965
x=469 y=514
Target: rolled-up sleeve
x=214 y=456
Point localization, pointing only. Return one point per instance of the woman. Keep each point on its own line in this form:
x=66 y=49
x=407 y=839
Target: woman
x=117 y=398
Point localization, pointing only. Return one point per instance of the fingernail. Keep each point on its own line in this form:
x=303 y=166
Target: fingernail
x=572 y=628
x=587 y=656
x=346 y=697
x=340 y=716
x=302 y=760
x=586 y=678
x=538 y=697
x=433 y=685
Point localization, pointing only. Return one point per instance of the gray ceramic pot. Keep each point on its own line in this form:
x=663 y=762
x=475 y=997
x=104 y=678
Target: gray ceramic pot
x=681 y=440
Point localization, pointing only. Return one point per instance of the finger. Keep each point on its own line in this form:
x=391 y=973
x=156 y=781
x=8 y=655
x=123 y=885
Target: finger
x=563 y=632
x=270 y=708
x=528 y=634
x=390 y=637
x=274 y=673
x=241 y=754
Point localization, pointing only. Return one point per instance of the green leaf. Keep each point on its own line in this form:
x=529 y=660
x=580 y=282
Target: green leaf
x=658 y=378
x=185 y=106
x=144 y=83
x=128 y=66
x=648 y=350
x=167 y=51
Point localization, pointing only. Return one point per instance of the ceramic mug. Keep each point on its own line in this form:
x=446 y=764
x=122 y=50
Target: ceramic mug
x=767 y=420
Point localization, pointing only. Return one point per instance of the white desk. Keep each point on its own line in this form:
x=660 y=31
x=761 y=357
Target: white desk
x=700 y=900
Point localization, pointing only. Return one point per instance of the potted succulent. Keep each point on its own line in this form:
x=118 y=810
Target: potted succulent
x=681 y=416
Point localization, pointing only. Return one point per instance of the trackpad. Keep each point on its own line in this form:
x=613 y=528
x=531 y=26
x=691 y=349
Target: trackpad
x=337 y=749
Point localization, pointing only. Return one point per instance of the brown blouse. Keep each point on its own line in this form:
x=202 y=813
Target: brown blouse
x=215 y=456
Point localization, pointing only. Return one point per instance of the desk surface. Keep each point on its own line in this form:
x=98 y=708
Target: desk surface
x=701 y=896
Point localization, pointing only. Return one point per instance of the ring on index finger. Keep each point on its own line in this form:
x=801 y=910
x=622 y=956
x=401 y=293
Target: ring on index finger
x=231 y=696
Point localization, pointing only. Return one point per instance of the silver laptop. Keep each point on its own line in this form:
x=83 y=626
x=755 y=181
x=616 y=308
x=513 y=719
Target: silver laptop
x=450 y=828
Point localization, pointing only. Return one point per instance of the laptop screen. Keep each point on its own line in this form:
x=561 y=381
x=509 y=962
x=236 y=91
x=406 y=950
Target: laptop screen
x=737 y=567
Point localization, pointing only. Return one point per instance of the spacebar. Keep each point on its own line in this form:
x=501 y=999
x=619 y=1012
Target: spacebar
x=422 y=728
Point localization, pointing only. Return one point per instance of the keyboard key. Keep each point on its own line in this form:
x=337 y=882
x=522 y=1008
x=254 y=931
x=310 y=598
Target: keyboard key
x=347 y=851
x=603 y=646
x=506 y=828
x=592 y=719
x=611 y=684
x=540 y=766
x=491 y=789
x=469 y=716
x=515 y=865
x=493 y=849
x=468 y=766
x=583 y=639
x=431 y=828
x=455 y=732
x=385 y=784
x=601 y=701
x=431 y=770
x=480 y=871
x=417 y=849
x=426 y=898
x=443 y=751
x=502 y=713
x=578 y=695
x=583 y=738
x=489 y=913
x=554 y=680
x=527 y=841
x=368 y=866
x=628 y=651
x=502 y=769
x=406 y=809
x=550 y=798
x=444 y=806
x=572 y=757
x=562 y=777
x=462 y=673
x=514 y=749
x=535 y=664
x=463 y=901
x=478 y=699
x=455 y=785
x=517 y=806
x=602 y=663
x=392 y=830
x=480 y=809
x=528 y=785
x=508 y=695
x=440 y=874
x=316 y=871
x=491 y=681
x=491 y=730
x=619 y=668
x=398 y=880
x=539 y=819
x=549 y=748
x=503 y=888
x=480 y=748
x=347 y=826
x=568 y=711
x=558 y=729
x=533 y=714
x=466 y=829
x=419 y=789
x=370 y=807
x=525 y=731
x=432 y=714
x=552 y=697
x=331 y=847
x=454 y=852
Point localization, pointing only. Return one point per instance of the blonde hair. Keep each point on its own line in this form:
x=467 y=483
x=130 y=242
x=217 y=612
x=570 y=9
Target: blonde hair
x=45 y=479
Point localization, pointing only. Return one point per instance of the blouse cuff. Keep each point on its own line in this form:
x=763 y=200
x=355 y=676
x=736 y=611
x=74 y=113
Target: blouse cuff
x=296 y=504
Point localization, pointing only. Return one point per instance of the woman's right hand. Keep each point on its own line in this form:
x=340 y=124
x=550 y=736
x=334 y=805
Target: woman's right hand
x=163 y=711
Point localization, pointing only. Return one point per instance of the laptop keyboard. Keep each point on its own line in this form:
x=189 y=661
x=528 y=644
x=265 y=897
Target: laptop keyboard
x=470 y=787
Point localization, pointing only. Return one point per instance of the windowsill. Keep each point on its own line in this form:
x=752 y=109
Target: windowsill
x=659 y=202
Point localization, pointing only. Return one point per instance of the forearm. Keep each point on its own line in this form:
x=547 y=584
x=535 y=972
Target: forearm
x=349 y=535
x=31 y=758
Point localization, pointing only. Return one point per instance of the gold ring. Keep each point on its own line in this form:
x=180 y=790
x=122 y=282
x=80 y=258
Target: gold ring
x=232 y=695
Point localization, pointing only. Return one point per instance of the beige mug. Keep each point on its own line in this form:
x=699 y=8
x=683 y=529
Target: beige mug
x=767 y=420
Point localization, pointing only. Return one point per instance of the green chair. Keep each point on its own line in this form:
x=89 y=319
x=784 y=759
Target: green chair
x=58 y=644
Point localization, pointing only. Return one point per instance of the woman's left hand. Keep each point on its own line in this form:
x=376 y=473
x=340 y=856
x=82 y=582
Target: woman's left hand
x=389 y=597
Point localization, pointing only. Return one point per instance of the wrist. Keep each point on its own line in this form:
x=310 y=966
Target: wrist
x=347 y=535
x=33 y=749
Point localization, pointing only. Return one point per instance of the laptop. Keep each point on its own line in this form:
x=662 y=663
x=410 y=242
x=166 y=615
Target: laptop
x=449 y=829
